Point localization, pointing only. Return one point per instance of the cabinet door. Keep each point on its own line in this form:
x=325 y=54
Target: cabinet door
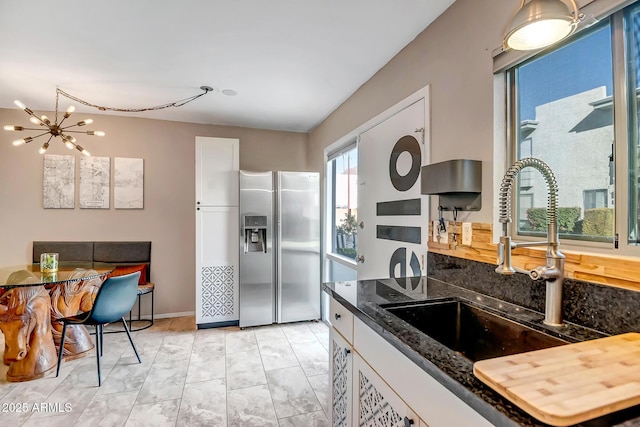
x=217 y=264
x=217 y=165
x=341 y=375
x=377 y=404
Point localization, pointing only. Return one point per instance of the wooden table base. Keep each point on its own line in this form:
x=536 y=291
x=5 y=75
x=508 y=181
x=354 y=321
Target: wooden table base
x=25 y=322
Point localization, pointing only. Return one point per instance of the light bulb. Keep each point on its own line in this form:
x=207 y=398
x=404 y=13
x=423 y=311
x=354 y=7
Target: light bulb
x=12 y=127
x=45 y=119
x=95 y=132
x=70 y=109
x=82 y=150
x=44 y=147
x=36 y=121
x=26 y=140
x=85 y=122
x=69 y=144
x=20 y=104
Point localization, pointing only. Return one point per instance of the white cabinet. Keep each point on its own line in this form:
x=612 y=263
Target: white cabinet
x=217 y=166
x=341 y=374
x=217 y=264
x=217 y=230
x=429 y=399
x=388 y=389
x=377 y=404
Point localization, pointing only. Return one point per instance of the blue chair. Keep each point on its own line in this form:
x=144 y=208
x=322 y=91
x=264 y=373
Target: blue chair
x=114 y=300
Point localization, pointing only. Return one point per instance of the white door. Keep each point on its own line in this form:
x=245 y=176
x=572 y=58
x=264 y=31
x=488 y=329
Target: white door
x=217 y=165
x=393 y=216
x=217 y=264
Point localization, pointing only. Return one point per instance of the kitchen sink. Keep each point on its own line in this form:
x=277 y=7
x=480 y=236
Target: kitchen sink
x=473 y=332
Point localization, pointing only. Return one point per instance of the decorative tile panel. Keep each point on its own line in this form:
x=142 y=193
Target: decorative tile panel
x=375 y=411
x=340 y=389
x=217 y=291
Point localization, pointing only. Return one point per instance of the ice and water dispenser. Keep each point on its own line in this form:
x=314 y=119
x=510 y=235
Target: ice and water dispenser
x=255 y=234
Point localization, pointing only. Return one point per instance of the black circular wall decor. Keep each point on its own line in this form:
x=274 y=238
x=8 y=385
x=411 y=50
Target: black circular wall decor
x=411 y=145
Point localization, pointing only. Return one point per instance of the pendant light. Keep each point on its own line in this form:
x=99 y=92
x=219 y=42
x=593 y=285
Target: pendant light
x=540 y=23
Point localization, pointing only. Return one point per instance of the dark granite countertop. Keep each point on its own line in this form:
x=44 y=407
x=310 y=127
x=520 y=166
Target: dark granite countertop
x=366 y=299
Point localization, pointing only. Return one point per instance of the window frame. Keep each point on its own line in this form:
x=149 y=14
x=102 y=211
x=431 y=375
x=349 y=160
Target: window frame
x=330 y=173
x=621 y=132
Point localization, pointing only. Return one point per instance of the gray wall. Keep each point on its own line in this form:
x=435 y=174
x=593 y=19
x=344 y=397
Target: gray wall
x=168 y=217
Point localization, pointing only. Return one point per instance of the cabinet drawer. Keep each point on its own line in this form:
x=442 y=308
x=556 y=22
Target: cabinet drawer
x=341 y=319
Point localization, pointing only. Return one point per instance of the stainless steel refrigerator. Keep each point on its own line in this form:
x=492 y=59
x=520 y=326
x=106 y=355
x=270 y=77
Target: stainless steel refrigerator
x=279 y=247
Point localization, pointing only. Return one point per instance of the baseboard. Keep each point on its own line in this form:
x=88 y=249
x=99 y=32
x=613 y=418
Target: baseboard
x=218 y=324
x=163 y=316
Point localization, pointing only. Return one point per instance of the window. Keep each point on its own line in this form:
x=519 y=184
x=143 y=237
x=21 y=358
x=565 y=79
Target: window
x=563 y=112
x=342 y=172
x=595 y=199
x=632 y=34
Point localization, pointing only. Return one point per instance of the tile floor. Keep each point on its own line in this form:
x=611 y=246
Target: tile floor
x=260 y=377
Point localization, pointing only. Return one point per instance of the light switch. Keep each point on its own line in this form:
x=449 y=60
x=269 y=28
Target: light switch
x=466 y=233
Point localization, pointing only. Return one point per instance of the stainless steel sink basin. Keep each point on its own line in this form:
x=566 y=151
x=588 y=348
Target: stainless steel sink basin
x=475 y=333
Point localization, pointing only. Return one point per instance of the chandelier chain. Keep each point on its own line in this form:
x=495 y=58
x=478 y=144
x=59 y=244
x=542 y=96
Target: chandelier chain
x=178 y=103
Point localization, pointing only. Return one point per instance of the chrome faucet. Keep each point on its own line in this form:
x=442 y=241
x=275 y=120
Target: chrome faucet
x=553 y=272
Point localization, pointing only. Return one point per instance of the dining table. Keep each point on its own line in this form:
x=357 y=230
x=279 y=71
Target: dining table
x=31 y=302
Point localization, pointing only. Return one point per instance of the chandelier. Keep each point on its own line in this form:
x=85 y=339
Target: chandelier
x=55 y=128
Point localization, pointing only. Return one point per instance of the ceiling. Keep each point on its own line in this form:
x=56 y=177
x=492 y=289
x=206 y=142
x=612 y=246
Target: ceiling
x=291 y=62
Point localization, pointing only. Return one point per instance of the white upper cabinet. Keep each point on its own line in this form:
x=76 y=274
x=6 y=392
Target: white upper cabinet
x=217 y=165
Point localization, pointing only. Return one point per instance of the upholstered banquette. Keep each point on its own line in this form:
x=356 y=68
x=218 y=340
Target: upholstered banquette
x=127 y=257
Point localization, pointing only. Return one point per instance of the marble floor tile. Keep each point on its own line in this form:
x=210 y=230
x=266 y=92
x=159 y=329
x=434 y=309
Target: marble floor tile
x=126 y=376
x=318 y=327
x=159 y=414
x=313 y=419
x=222 y=377
x=277 y=354
x=165 y=381
x=175 y=347
x=240 y=341
x=251 y=407
x=244 y=370
x=109 y=410
x=313 y=357
x=64 y=420
x=267 y=333
x=211 y=339
x=204 y=366
x=320 y=385
x=291 y=392
x=203 y=404
x=298 y=332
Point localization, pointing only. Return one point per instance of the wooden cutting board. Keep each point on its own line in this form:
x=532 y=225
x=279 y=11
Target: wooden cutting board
x=571 y=383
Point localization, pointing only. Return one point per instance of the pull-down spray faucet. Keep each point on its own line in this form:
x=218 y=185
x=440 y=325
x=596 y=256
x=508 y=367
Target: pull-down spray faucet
x=553 y=272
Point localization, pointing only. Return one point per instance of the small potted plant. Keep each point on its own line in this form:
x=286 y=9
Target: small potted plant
x=48 y=262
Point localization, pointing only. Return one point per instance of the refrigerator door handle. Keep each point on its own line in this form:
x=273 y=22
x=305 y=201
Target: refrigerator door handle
x=278 y=252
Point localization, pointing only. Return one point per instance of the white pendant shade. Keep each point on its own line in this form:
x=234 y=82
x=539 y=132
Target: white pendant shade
x=540 y=23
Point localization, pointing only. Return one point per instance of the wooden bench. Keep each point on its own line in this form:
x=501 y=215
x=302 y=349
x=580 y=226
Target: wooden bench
x=126 y=256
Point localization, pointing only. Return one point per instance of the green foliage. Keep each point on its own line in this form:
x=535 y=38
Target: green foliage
x=348 y=252
x=567 y=219
x=598 y=222
x=349 y=225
